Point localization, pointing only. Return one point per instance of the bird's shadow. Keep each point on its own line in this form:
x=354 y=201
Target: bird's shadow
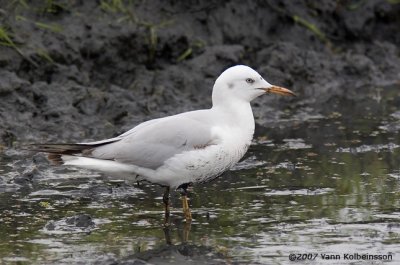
x=183 y=229
x=180 y=251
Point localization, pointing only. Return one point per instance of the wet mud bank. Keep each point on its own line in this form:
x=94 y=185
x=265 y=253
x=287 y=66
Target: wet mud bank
x=92 y=69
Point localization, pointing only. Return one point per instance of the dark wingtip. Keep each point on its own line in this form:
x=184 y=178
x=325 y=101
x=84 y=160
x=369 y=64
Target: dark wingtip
x=32 y=147
x=55 y=159
x=66 y=149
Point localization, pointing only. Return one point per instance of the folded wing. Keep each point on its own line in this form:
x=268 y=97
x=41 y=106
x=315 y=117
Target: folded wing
x=147 y=145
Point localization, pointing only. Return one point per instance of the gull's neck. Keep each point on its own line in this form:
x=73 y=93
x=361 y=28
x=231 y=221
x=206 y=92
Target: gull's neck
x=235 y=111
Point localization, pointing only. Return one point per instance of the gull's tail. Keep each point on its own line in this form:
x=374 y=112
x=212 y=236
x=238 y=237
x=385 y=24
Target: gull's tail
x=59 y=153
x=80 y=155
x=55 y=151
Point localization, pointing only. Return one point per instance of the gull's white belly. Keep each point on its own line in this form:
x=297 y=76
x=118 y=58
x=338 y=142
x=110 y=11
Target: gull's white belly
x=205 y=164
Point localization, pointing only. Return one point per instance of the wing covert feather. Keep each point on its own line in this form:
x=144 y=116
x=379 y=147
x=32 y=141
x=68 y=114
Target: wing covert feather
x=150 y=144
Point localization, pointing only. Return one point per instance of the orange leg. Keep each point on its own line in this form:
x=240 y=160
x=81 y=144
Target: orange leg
x=186 y=209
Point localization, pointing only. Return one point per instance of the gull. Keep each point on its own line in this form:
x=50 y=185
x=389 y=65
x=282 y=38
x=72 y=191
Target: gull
x=180 y=150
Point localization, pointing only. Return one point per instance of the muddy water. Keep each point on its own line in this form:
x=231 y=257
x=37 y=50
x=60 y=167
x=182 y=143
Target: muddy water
x=329 y=185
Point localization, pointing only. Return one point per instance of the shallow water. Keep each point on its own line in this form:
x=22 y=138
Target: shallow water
x=329 y=185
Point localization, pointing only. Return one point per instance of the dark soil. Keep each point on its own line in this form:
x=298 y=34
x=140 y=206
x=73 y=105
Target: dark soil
x=85 y=70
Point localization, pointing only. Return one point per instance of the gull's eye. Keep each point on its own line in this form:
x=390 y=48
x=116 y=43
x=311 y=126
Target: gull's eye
x=250 y=80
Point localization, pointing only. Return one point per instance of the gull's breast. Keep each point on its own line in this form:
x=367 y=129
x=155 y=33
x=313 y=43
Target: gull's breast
x=207 y=163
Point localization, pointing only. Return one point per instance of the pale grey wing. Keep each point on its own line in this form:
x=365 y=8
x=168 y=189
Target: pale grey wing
x=119 y=137
x=151 y=145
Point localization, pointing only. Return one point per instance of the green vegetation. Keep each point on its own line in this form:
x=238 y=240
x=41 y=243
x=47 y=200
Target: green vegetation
x=189 y=51
x=46 y=6
x=52 y=27
x=302 y=22
x=6 y=33
x=52 y=6
x=124 y=7
x=185 y=54
x=356 y=5
x=119 y=6
x=17 y=4
x=46 y=26
x=153 y=37
x=5 y=38
x=44 y=204
x=312 y=27
x=113 y=6
x=45 y=55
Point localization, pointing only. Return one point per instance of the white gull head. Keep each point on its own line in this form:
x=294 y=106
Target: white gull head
x=241 y=83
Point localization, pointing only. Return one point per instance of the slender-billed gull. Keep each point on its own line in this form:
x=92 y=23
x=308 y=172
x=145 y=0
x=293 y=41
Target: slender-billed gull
x=183 y=149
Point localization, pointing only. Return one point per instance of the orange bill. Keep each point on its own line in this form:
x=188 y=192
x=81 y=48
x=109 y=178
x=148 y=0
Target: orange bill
x=279 y=90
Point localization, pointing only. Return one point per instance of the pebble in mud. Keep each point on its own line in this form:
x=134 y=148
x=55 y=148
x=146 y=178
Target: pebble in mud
x=74 y=224
x=27 y=176
x=82 y=220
